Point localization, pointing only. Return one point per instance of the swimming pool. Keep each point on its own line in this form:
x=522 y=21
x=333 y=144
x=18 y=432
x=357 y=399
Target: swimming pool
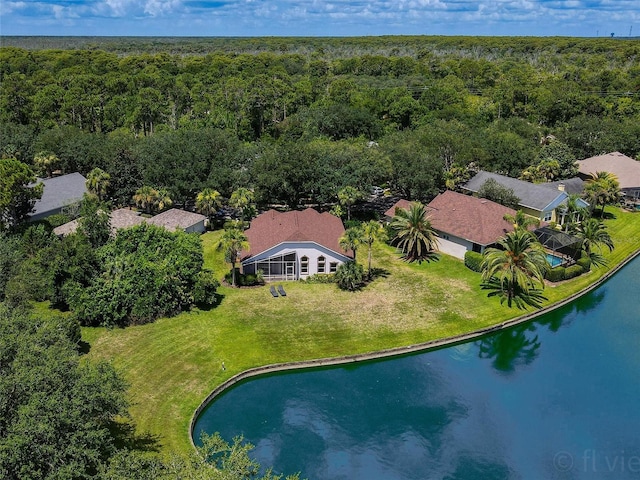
x=554 y=260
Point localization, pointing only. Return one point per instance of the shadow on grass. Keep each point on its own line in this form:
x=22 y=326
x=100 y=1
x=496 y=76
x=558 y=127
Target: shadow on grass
x=84 y=347
x=378 y=273
x=205 y=307
x=124 y=435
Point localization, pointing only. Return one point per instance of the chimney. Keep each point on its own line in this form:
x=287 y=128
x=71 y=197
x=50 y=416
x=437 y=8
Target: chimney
x=561 y=187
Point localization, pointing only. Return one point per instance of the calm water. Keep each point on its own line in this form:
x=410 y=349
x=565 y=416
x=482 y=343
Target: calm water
x=555 y=399
x=554 y=260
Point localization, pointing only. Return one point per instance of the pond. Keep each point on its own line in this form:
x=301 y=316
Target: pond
x=555 y=398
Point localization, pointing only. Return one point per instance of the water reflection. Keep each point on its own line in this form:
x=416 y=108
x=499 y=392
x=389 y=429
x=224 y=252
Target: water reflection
x=510 y=348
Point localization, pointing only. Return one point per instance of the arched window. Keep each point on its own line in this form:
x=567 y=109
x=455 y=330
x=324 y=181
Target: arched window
x=321 y=264
x=304 y=265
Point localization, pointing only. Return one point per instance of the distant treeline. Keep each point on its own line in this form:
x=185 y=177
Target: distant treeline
x=296 y=119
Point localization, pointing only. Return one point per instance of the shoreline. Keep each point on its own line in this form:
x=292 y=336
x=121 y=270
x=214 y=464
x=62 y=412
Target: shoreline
x=397 y=351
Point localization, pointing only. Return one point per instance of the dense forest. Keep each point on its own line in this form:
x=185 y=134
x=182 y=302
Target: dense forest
x=285 y=121
x=296 y=119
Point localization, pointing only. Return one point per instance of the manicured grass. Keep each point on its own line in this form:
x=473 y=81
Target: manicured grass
x=174 y=363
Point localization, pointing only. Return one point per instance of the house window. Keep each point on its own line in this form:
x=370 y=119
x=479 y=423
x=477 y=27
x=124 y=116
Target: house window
x=333 y=267
x=547 y=216
x=304 y=265
x=321 y=263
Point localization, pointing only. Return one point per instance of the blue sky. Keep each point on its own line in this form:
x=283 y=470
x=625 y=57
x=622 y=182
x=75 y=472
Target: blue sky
x=314 y=17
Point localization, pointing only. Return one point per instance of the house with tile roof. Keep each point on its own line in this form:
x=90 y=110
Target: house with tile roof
x=294 y=245
x=59 y=192
x=539 y=200
x=402 y=203
x=464 y=222
x=626 y=169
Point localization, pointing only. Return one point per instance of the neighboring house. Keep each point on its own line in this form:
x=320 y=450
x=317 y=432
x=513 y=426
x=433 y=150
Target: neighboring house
x=118 y=219
x=58 y=193
x=176 y=219
x=294 y=245
x=463 y=222
x=402 y=203
x=539 y=200
x=172 y=220
x=626 y=169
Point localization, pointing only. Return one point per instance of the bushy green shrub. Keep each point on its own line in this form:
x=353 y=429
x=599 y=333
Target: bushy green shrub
x=573 y=271
x=555 y=274
x=473 y=260
x=585 y=263
x=204 y=290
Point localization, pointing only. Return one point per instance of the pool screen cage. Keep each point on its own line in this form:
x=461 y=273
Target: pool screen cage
x=558 y=241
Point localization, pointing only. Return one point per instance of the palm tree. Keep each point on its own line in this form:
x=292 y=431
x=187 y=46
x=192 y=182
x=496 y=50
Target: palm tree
x=372 y=231
x=349 y=276
x=521 y=220
x=242 y=200
x=571 y=213
x=146 y=198
x=232 y=242
x=208 y=201
x=347 y=197
x=46 y=162
x=513 y=271
x=602 y=189
x=593 y=233
x=351 y=239
x=163 y=200
x=98 y=182
x=413 y=233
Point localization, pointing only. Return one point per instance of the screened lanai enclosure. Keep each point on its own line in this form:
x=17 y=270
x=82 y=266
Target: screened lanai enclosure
x=559 y=242
x=279 y=267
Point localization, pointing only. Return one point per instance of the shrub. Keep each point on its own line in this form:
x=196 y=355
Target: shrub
x=555 y=274
x=473 y=260
x=573 y=271
x=204 y=290
x=350 y=276
x=585 y=263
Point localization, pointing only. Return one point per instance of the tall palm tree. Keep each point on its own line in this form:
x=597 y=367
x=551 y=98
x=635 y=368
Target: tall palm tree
x=571 y=212
x=593 y=233
x=347 y=197
x=413 y=233
x=242 y=200
x=603 y=188
x=232 y=242
x=98 y=182
x=163 y=200
x=352 y=239
x=372 y=231
x=521 y=220
x=513 y=271
x=208 y=201
x=146 y=198
x=46 y=162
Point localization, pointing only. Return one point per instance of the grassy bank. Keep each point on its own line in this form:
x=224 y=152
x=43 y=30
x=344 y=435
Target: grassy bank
x=174 y=363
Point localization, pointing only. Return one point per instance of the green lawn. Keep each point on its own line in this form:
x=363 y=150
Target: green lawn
x=174 y=363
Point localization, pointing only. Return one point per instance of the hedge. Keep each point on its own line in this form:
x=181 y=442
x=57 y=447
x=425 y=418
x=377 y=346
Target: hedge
x=585 y=263
x=555 y=274
x=473 y=260
x=573 y=271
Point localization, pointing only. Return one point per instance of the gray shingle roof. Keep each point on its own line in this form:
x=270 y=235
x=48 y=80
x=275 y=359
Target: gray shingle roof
x=531 y=195
x=625 y=168
x=59 y=192
x=573 y=186
x=175 y=219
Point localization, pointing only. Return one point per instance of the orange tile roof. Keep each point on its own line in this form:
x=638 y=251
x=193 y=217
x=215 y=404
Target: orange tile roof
x=272 y=228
